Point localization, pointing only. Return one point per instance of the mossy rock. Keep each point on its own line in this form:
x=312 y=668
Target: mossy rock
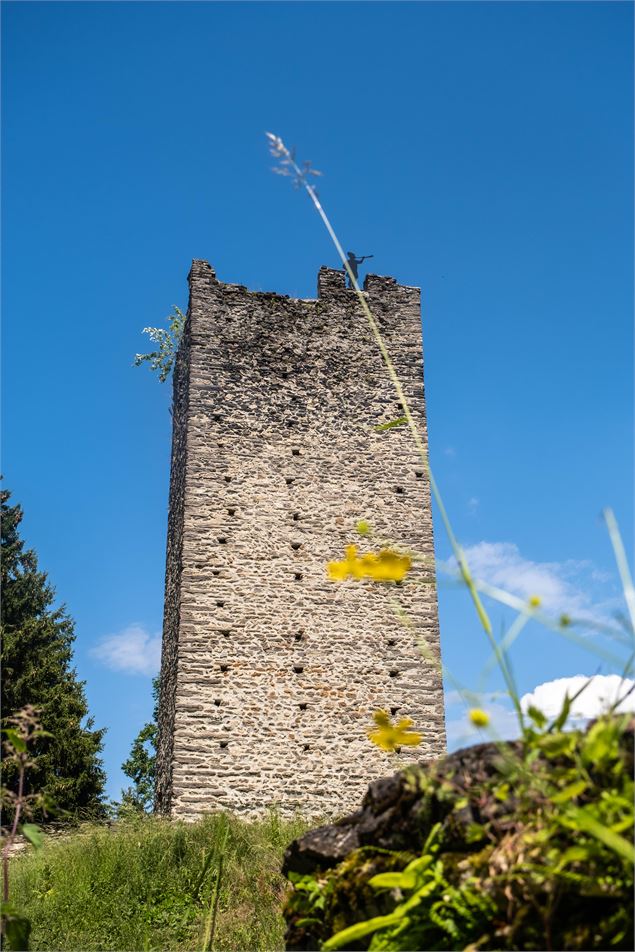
x=515 y=857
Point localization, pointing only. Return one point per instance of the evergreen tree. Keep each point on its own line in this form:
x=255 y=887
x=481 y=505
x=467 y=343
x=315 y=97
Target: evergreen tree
x=36 y=669
x=140 y=765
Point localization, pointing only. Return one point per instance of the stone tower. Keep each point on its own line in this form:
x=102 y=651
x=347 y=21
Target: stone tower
x=270 y=672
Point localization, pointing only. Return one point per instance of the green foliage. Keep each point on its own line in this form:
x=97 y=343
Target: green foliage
x=537 y=855
x=16 y=928
x=17 y=748
x=162 y=359
x=37 y=644
x=149 y=883
x=140 y=765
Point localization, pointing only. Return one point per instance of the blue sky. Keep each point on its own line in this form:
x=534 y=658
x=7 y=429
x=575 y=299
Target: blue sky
x=482 y=151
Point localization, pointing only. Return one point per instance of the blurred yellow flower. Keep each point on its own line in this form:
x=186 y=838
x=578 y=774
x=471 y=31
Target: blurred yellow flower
x=565 y=620
x=363 y=527
x=478 y=717
x=389 y=736
x=535 y=601
x=384 y=566
x=338 y=571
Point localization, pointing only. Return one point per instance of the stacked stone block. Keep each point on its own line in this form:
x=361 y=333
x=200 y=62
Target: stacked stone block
x=270 y=672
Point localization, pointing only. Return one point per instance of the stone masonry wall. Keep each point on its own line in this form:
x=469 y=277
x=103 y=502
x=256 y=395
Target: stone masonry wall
x=271 y=672
x=173 y=572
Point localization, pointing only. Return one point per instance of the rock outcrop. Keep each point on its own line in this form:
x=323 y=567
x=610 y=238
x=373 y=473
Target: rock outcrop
x=496 y=826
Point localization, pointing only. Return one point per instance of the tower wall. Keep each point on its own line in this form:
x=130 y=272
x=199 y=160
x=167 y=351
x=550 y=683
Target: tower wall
x=270 y=672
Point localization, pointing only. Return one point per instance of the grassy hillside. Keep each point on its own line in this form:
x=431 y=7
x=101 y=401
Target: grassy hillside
x=149 y=884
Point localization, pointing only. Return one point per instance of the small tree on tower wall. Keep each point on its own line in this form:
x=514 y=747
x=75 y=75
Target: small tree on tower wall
x=36 y=669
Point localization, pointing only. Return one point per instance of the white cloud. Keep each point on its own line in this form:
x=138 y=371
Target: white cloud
x=473 y=503
x=563 y=587
x=133 y=651
x=602 y=691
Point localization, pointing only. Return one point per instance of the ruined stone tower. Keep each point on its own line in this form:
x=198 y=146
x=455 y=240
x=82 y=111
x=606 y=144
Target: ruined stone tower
x=270 y=672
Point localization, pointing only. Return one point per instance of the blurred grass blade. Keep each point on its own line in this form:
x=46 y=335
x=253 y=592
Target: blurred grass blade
x=622 y=564
x=507 y=640
x=281 y=152
x=389 y=426
x=505 y=598
x=219 y=855
x=567 y=704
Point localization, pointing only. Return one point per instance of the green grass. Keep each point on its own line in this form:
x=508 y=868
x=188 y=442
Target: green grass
x=147 y=884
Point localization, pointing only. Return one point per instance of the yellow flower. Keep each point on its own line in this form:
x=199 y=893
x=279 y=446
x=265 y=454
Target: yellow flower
x=565 y=621
x=338 y=571
x=478 y=717
x=389 y=736
x=363 y=527
x=384 y=566
x=535 y=601
x=389 y=567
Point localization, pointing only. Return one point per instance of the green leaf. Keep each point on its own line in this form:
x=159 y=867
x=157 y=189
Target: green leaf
x=418 y=896
x=302 y=881
x=561 y=719
x=575 y=854
x=502 y=792
x=569 y=793
x=359 y=930
x=599 y=743
x=15 y=740
x=474 y=833
x=419 y=864
x=17 y=930
x=430 y=844
x=537 y=716
x=33 y=834
x=585 y=821
x=624 y=824
x=405 y=880
x=555 y=745
x=389 y=426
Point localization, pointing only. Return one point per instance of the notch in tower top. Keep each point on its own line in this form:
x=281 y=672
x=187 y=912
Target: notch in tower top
x=331 y=281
